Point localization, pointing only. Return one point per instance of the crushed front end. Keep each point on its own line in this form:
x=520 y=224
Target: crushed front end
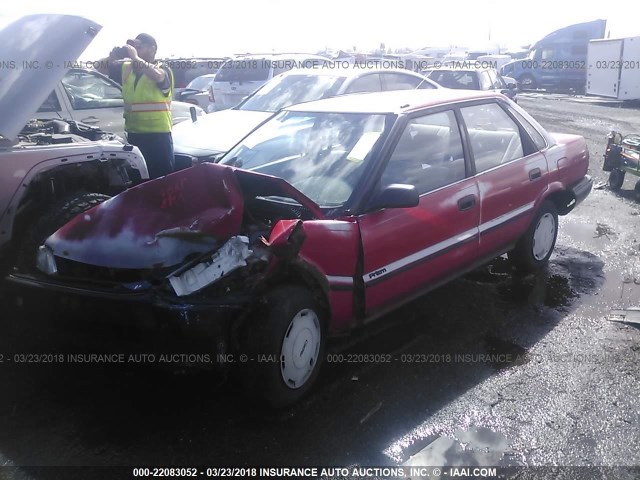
x=196 y=249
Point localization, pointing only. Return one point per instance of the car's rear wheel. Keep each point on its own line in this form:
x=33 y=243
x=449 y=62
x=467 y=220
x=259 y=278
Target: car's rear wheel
x=287 y=340
x=616 y=179
x=50 y=221
x=533 y=250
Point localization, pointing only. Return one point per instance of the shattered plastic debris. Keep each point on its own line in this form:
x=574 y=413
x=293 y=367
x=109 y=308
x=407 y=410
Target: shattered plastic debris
x=229 y=257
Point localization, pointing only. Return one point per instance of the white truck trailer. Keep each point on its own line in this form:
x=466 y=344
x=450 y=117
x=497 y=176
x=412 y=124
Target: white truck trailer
x=613 y=68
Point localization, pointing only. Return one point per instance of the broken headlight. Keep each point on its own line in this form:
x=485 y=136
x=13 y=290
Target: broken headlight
x=46 y=261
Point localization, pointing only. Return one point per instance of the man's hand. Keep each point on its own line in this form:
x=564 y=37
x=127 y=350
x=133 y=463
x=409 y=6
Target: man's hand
x=132 y=53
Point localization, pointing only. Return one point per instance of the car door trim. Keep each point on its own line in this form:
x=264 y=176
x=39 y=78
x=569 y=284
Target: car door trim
x=405 y=263
x=506 y=217
x=418 y=257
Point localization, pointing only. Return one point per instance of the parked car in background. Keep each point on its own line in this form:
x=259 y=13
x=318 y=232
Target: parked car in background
x=242 y=75
x=199 y=92
x=474 y=79
x=89 y=97
x=219 y=131
x=324 y=218
x=186 y=69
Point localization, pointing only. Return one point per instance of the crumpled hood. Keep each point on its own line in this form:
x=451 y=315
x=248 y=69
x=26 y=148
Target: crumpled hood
x=215 y=132
x=37 y=51
x=161 y=222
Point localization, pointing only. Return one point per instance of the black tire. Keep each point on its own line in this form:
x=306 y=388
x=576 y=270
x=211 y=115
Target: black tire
x=527 y=82
x=616 y=179
x=269 y=327
x=524 y=256
x=637 y=190
x=54 y=218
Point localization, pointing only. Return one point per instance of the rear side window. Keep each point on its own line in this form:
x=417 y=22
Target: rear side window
x=244 y=70
x=454 y=79
x=428 y=155
x=398 y=81
x=367 y=83
x=537 y=138
x=494 y=136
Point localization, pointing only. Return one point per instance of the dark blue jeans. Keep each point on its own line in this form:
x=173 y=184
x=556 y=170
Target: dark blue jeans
x=157 y=149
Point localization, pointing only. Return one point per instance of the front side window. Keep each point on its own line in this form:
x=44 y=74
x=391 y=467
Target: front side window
x=428 y=155
x=494 y=136
x=87 y=90
x=321 y=154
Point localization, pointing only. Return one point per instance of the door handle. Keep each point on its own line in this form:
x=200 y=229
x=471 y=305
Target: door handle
x=535 y=174
x=90 y=120
x=465 y=203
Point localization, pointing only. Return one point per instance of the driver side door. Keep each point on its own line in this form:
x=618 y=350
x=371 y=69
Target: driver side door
x=409 y=250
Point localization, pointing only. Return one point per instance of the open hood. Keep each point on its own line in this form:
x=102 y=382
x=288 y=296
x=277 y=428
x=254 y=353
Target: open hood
x=161 y=222
x=215 y=132
x=37 y=51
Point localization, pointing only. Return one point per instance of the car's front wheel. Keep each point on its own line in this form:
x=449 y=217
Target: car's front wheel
x=287 y=344
x=533 y=250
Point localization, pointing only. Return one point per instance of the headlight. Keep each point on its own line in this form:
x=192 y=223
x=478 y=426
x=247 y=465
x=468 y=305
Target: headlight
x=45 y=261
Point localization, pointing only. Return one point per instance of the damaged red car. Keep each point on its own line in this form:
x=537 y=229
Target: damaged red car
x=324 y=218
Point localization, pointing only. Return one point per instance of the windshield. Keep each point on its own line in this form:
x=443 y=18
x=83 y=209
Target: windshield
x=291 y=89
x=321 y=154
x=200 y=83
x=246 y=70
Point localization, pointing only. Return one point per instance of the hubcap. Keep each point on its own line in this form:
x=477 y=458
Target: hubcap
x=300 y=348
x=543 y=236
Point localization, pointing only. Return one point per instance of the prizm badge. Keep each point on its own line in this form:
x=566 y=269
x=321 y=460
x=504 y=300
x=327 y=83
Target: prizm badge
x=377 y=273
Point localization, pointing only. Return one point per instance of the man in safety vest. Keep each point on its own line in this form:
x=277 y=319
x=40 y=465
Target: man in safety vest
x=147 y=88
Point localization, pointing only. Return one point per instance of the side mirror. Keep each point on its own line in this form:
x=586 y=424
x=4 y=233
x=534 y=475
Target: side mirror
x=395 y=195
x=512 y=84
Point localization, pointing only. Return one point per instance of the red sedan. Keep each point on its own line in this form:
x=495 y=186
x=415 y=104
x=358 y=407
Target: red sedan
x=325 y=217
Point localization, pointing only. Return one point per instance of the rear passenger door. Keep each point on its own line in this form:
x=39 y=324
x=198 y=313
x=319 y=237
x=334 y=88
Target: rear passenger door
x=511 y=171
x=409 y=249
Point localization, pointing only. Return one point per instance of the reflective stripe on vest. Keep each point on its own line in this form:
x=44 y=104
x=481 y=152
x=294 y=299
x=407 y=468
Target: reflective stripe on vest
x=147 y=109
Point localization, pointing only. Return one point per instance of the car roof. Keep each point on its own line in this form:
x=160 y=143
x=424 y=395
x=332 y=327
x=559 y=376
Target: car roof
x=348 y=72
x=401 y=101
x=276 y=56
x=450 y=68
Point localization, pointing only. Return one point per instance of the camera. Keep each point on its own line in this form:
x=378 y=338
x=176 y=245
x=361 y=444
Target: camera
x=120 y=52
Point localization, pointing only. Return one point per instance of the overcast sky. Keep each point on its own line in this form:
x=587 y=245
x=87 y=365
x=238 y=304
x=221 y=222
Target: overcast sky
x=216 y=28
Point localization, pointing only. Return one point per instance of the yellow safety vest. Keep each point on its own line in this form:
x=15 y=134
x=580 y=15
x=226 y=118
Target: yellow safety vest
x=146 y=108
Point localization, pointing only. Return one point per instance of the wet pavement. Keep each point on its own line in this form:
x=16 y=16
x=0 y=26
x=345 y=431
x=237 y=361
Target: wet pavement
x=492 y=369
